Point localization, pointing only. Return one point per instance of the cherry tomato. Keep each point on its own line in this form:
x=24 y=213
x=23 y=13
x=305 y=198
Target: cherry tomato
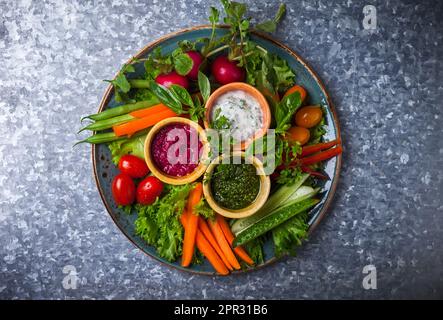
x=197 y=60
x=168 y=79
x=299 y=89
x=123 y=189
x=299 y=134
x=133 y=166
x=308 y=117
x=226 y=71
x=148 y=190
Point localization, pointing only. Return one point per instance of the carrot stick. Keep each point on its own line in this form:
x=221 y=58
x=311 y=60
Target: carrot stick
x=223 y=243
x=230 y=237
x=205 y=247
x=149 y=111
x=324 y=155
x=203 y=227
x=318 y=147
x=131 y=127
x=191 y=225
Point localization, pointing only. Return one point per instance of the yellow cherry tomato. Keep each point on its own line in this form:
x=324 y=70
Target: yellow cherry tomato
x=308 y=117
x=299 y=134
x=298 y=89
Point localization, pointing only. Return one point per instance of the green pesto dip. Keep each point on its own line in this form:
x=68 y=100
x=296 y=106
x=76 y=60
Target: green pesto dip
x=235 y=186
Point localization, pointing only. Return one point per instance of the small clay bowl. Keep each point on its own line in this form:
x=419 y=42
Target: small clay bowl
x=260 y=132
x=203 y=161
x=262 y=196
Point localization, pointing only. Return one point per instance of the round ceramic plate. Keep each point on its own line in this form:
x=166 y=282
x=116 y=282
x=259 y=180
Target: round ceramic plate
x=104 y=170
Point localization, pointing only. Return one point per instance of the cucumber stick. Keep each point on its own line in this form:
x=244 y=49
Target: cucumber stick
x=272 y=220
x=276 y=200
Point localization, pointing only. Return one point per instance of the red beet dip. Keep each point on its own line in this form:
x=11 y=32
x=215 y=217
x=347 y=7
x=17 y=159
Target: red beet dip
x=176 y=149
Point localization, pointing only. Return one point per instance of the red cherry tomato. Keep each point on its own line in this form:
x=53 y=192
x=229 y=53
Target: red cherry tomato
x=197 y=60
x=123 y=189
x=226 y=71
x=171 y=78
x=148 y=190
x=133 y=166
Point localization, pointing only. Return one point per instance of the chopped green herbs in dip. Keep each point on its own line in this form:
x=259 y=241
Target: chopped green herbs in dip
x=238 y=112
x=235 y=186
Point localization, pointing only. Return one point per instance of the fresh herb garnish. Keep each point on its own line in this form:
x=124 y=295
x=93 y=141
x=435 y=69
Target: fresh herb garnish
x=271 y=25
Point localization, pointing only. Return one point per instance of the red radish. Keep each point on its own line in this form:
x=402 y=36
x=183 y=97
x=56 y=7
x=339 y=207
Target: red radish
x=171 y=78
x=148 y=190
x=226 y=71
x=123 y=189
x=133 y=166
x=197 y=60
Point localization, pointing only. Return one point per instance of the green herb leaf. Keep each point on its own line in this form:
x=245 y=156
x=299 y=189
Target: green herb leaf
x=271 y=25
x=166 y=97
x=214 y=16
x=204 y=86
x=183 y=64
x=285 y=110
x=289 y=176
x=181 y=94
x=186 y=45
x=197 y=111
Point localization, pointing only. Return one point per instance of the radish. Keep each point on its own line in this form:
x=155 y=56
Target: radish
x=171 y=78
x=197 y=60
x=226 y=71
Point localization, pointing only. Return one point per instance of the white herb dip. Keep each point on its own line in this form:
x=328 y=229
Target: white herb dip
x=240 y=111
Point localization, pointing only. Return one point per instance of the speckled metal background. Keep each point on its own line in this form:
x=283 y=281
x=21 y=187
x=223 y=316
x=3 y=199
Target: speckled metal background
x=385 y=84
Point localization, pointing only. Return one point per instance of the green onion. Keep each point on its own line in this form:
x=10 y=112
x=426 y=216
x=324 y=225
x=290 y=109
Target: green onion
x=123 y=109
x=108 y=123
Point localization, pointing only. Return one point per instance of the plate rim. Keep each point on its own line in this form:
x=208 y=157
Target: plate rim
x=337 y=169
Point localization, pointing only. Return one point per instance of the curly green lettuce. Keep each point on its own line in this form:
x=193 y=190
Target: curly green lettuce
x=159 y=223
x=289 y=235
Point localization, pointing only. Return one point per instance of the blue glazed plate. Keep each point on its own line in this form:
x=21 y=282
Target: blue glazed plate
x=104 y=169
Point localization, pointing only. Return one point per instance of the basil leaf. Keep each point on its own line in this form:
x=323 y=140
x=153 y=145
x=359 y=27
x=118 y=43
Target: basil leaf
x=183 y=64
x=285 y=110
x=165 y=96
x=204 y=85
x=181 y=94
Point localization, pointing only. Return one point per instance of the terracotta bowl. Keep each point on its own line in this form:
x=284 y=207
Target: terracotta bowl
x=203 y=161
x=253 y=92
x=263 y=194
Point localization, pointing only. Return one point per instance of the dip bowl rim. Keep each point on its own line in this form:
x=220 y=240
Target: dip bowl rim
x=264 y=106
x=164 y=177
x=262 y=196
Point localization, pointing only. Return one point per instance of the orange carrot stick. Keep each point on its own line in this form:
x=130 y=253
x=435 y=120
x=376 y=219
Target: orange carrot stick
x=131 y=127
x=230 y=237
x=191 y=225
x=203 y=226
x=205 y=247
x=224 y=245
x=149 y=111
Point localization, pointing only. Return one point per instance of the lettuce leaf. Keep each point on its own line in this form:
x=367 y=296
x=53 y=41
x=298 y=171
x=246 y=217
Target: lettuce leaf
x=133 y=145
x=159 y=225
x=289 y=235
x=255 y=250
